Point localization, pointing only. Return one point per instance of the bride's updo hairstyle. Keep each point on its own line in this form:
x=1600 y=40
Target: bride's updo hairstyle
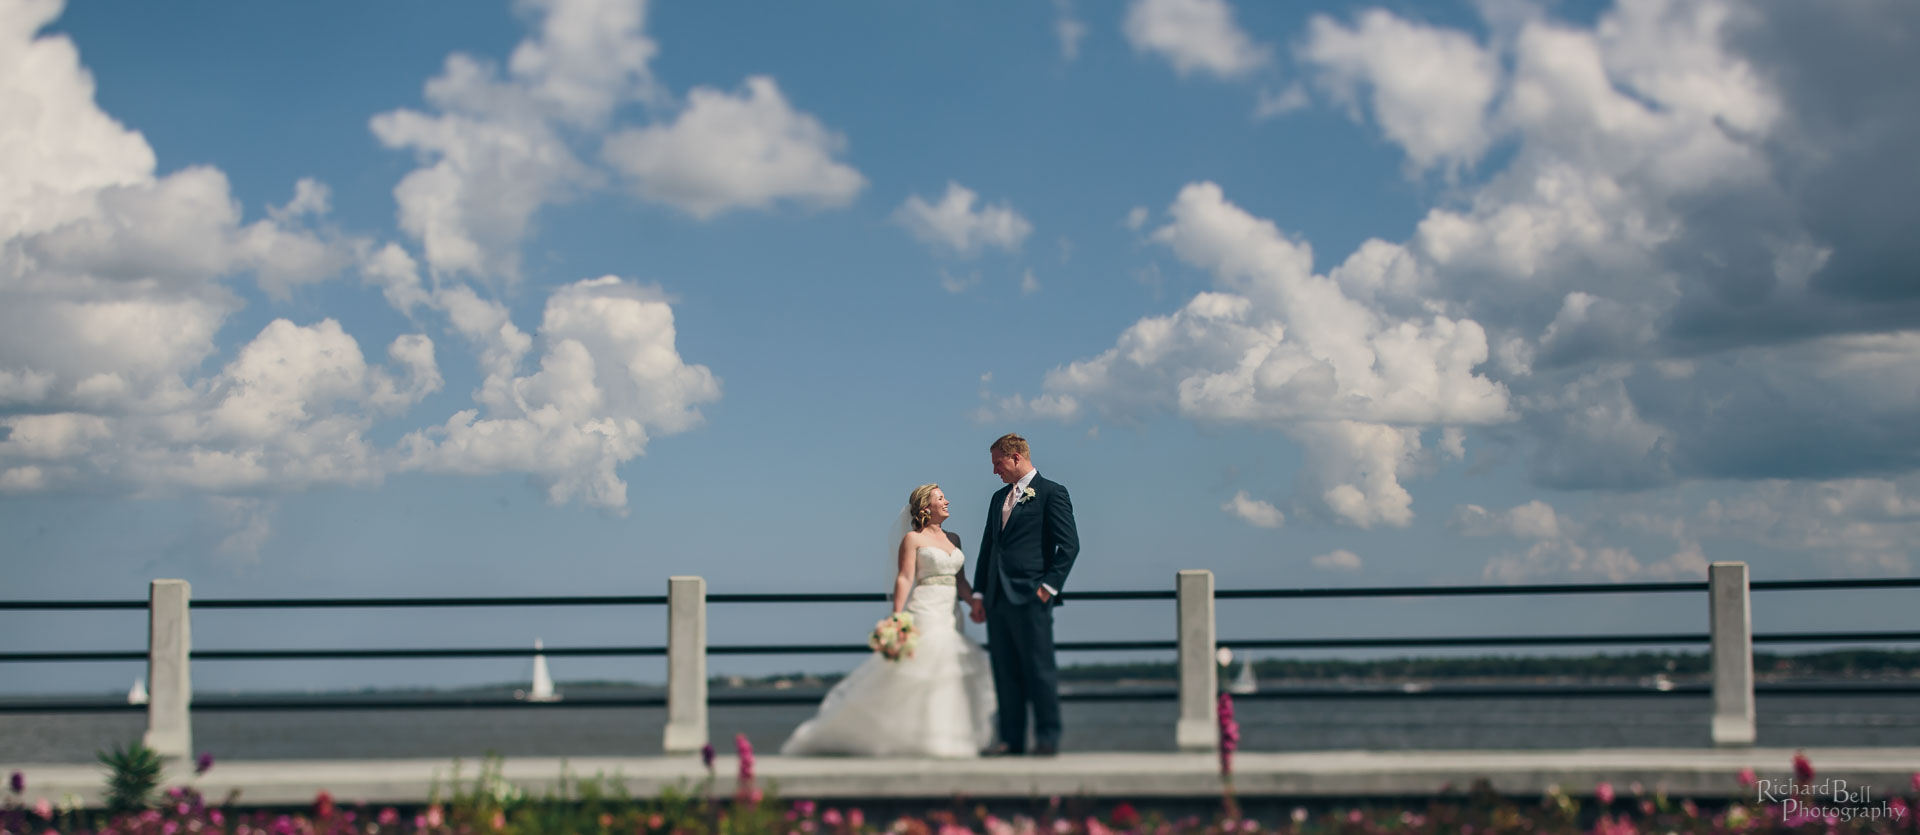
x=920 y=505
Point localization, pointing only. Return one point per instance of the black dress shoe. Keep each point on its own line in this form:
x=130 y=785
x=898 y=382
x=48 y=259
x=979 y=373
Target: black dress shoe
x=999 y=749
x=1046 y=750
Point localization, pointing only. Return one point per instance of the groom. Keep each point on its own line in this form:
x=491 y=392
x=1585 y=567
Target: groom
x=1025 y=554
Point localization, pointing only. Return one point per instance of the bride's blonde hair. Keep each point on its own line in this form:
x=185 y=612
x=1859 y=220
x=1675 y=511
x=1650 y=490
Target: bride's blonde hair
x=920 y=505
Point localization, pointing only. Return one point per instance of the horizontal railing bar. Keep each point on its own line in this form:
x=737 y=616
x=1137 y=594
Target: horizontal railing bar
x=51 y=605
x=486 y=652
x=1823 y=637
x=1854 y=583
x=1067 y=646
x=834 y=649
x=111 y=655
x=426 y=602
x=1466 y=641
x=875 y=597
x=1143 y=694
x=1451 y=591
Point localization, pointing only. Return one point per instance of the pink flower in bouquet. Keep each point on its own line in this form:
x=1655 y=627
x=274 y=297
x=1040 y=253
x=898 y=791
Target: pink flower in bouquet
x=1747 y=778
x=1603 y=792
x=1802 y=767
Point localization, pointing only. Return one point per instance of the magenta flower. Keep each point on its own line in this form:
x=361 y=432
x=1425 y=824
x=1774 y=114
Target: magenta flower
x=1603 y=792
x=1915 y=781
x=1747 y=778
x=745 y=748
x=44 y=808
x=1229 y=733
x=203 y=764
x=831 y=817
x=18 y=782
x=1802 y=767
x=856 y=818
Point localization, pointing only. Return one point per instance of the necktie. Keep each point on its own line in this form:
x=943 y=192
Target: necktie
x=1006 y=507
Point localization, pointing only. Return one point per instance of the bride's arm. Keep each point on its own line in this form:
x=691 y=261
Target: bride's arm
x=966 y=589
x=903 y=579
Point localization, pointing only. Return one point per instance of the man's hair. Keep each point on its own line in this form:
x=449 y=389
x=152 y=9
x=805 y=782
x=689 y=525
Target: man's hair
x=1011 y=444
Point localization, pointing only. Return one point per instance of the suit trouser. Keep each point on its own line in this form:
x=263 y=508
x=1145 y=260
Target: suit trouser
x=1020 y=644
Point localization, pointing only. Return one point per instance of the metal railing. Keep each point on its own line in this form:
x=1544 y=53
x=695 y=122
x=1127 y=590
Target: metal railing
x=1732 y=686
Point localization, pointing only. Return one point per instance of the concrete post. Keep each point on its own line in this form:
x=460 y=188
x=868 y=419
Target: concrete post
x=169 y=679
x=1732 y=629
x=1197 y=729
x=686 y=664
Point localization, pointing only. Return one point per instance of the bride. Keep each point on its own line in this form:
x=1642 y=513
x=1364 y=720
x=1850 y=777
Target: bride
x=938 y=702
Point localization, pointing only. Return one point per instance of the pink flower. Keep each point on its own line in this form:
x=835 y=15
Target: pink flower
x=1354 y=816
x=831 y=817
x=804 y=807
x=217 y=818
x=389 y=816
x=745 y=748
x=323 y=805
x=1125 y=816
x=655 y=821
x=1916 y=780
x=856 y=818
x=1802 y=768
x=1603 y=792
x=1229 y=733
x=1061 y=826
x=1746 y=778
x=203 y=763
x=43 y=808
x=499 y=819
x=435 y=817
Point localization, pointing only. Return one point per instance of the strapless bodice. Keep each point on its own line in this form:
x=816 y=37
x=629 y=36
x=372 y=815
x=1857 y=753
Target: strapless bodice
x=934 y=566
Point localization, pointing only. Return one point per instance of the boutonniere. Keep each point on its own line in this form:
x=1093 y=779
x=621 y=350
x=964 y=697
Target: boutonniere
x=1025 y=495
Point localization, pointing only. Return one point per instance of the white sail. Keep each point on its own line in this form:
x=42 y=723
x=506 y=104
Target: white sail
x=137 y=695
x=542 y=680
x=1244 y=683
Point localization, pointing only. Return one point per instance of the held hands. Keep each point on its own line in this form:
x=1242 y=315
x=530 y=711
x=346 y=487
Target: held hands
x=976 y=609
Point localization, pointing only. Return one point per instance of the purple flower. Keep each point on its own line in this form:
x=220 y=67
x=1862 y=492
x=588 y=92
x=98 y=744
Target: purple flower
x=18 y=782
x=203 y=764
x=706 y=756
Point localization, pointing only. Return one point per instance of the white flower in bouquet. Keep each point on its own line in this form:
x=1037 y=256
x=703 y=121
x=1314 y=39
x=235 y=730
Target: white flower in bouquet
x=894 y=637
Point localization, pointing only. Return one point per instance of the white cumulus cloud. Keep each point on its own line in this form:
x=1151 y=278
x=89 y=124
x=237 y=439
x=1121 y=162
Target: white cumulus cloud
x=1195 y=36
x=736 y=151
x=1254 y=511
x=953 y=224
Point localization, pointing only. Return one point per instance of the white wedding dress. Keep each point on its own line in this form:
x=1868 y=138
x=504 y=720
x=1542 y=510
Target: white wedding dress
x=937 y=703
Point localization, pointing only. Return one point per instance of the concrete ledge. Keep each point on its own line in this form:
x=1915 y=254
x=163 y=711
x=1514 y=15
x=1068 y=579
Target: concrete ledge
x=1682 y=772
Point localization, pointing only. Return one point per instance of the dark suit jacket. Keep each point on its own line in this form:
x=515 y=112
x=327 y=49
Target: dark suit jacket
x=1037 y=545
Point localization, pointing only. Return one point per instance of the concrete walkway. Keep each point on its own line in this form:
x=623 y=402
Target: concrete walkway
x=1683 y=772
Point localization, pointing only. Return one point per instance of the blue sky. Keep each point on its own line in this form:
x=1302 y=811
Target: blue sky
x=567 y=296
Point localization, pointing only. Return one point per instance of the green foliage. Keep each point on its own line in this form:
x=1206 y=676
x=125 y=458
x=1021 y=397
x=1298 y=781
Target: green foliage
x=133 y=775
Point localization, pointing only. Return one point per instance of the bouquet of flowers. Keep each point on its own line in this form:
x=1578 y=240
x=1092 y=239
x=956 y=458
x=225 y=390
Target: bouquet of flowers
x=894 y=637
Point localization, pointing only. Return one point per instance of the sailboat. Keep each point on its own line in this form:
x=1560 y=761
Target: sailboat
x=542 y=681
x=137 y=694
x=1244 y=683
